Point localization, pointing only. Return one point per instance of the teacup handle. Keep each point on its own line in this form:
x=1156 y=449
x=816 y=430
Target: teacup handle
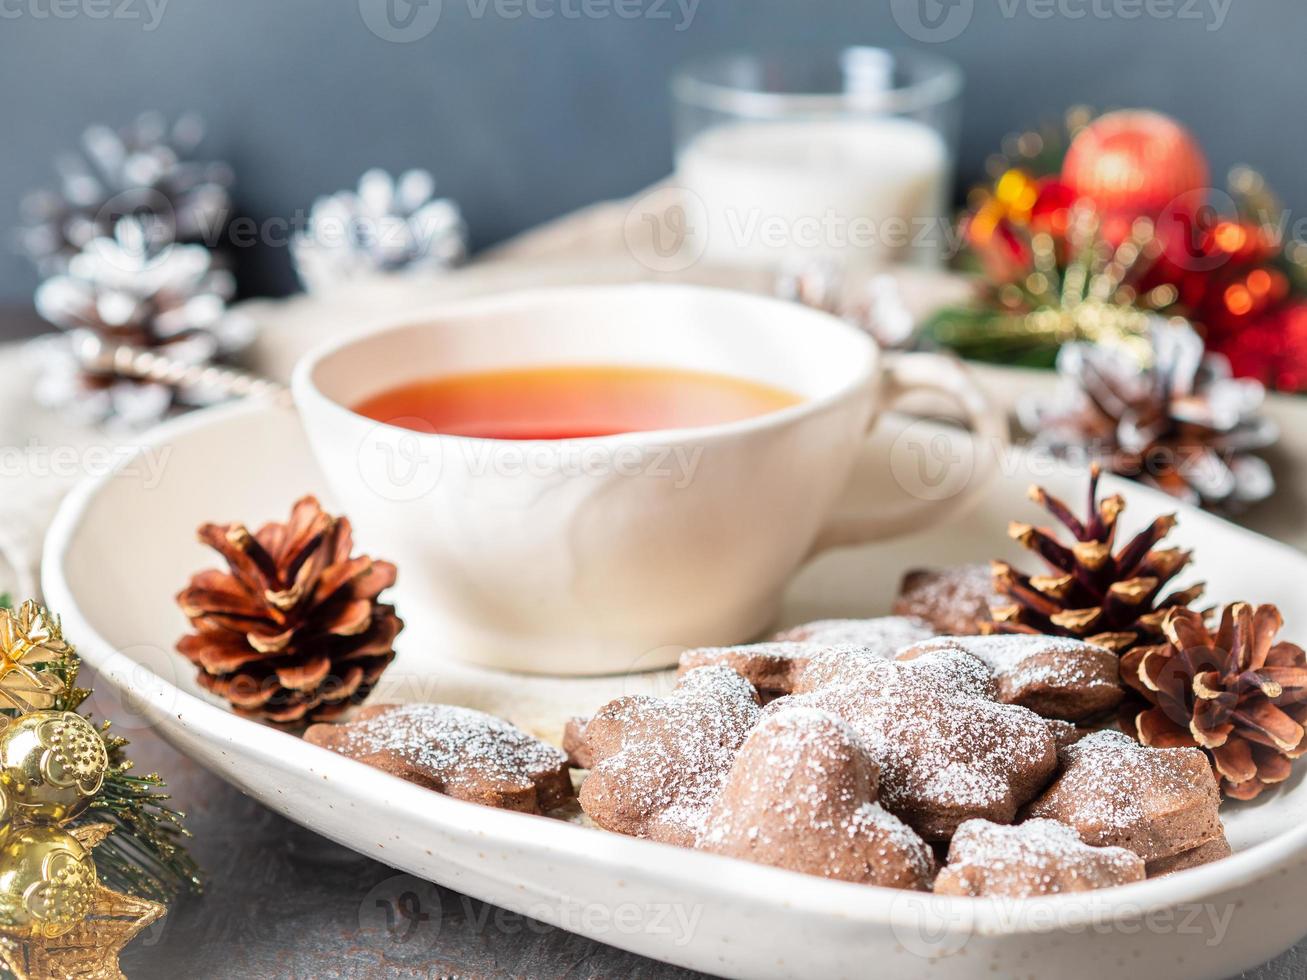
x=906 y=374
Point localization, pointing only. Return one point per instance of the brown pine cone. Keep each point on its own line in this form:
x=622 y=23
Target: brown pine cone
x=1236 y=693
x=293 y=634
x=1111 y=597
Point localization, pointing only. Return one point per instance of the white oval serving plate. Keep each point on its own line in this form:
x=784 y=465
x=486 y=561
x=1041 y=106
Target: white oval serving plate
x=123 y=545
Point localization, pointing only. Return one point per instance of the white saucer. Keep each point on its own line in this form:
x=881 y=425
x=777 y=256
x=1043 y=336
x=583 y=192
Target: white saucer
x=122 y=546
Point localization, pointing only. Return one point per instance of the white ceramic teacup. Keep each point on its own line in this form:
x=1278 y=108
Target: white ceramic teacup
x=598 y=555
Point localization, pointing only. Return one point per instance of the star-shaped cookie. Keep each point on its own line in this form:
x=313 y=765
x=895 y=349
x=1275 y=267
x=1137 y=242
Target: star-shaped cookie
x=955 y=601
x=885 y=634
x=1159 y=803
x=947 y=750
x=1038 y=857
x=462 y=753
x=774 y=667
x=657 y=764
x=1053 y=676
x=802 y=796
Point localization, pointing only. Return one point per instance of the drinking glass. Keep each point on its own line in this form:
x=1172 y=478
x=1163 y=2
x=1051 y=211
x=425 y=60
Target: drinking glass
x=843 y=155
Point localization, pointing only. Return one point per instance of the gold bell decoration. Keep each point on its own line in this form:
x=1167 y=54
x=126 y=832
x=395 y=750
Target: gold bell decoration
x=47 y=881
x=75 y=927
x=52 y=763
x=58 y=917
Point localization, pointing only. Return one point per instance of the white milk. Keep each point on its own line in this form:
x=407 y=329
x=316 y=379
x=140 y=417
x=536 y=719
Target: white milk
x=862 y=191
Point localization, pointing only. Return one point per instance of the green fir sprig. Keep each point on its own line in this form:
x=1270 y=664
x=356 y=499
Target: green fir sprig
x=145 y=855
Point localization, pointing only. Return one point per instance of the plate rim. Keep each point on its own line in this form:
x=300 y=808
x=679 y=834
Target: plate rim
x=732 y=879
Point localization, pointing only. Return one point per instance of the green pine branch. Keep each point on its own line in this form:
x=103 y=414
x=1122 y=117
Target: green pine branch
x=982 y=334
x=146 y=854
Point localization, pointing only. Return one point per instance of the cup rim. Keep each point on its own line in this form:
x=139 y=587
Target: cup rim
x=689 y=86
x=305 y=389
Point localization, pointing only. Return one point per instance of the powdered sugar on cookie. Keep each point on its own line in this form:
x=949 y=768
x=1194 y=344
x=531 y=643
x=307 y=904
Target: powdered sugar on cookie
x=947 y=670
x=884 y=634
x=946 y=750
x=955 y=601
x=1054 y=676
x=659 y=763
x=802 y=795
x=465 y=753
x=770 y=667
x=1114 y=791
x=1038 y=857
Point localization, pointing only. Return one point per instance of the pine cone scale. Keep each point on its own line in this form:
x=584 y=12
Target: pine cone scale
x=266 y=641
x=381 y=638
x=233 y=543
x=1141 y=546
x=217 y=653
x=220 y=593
x=1115 y=642
x=219 y=623
x=1267 y=622
x=1154 y=727
x=345 y=575
x=304 y=676
x=1273 y=767
x=379 y=577
x=1235 y=762
x=1181 y=599
x=242 y=691
x=1039 y=540
x=1267 y=725
x=1285 y=678
x=351 y=619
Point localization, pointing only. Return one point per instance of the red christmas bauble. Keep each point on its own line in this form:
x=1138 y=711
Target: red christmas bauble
x=1271 y=348
x=1136 y=163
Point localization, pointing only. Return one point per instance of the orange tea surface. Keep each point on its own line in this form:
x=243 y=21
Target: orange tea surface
x=571 y=402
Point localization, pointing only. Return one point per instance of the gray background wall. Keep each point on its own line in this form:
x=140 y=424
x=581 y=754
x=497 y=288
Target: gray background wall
x=526 y=117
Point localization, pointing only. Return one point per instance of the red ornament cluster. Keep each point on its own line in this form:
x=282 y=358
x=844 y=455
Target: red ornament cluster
x=1227 y=271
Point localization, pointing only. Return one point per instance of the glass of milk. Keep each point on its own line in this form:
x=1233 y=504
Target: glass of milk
x=839 y=157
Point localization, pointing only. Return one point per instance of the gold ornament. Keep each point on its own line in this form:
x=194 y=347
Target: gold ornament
x=47 y=882
x=52 y=763
x=89 y=949
x=29 y=638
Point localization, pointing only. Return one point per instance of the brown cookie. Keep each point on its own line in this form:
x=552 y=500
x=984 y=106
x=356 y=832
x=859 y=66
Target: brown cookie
x=574 y=742
x=885 y=634
x=950 y=670
x=457 y=751
x=801 y=795
x=955 y=601
x=1053 y=676
x=658 y=763
x=770 y=667
x=774 y=667
x=1159 y=803
x=1064 y=732
x=1213 y=850
x=947 y=751
x=1038 y=857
